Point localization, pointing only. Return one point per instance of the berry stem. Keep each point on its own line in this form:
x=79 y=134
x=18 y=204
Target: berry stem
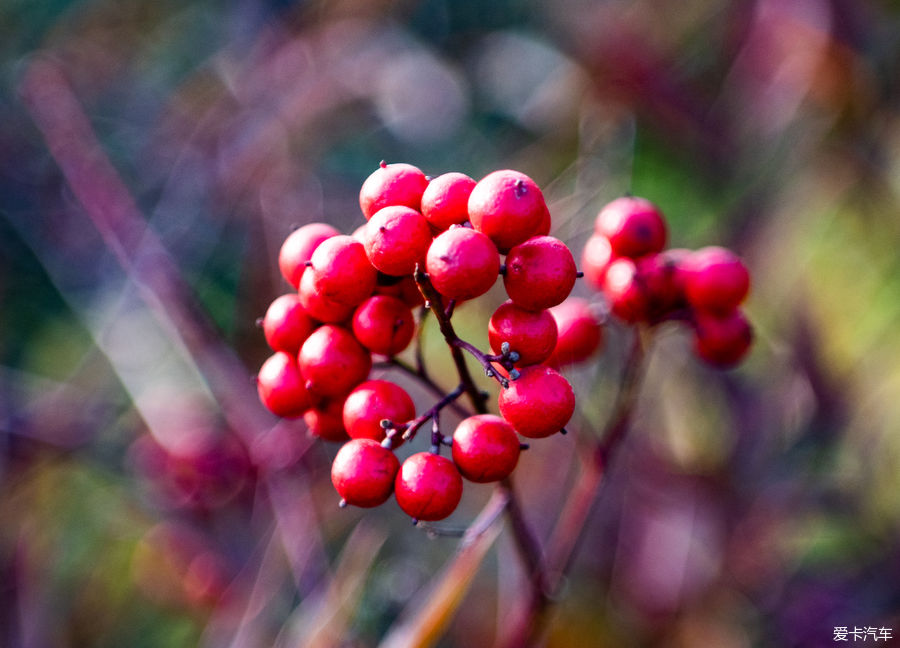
x=410 y=428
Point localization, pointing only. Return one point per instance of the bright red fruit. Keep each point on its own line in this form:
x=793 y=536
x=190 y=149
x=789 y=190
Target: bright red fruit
x=363 y=473
x=538 y=403
x=507 y=206
x=384 y=325
x=722 y=340
x=579 y=332
x=595 y=259
x=325 y=420
x=373 y=401
x=446 y=199
x=287 y=324
x=540 y=273
x=716 y=279
x=531 y=334
x=396 y=239
x=392 y=184
x=462 y=263
x=634 y=226
x=485 y=448
x=298 y=248
x=626 y=291
x=406 y=290
x=544 y=228
x=333 y=361
x=281 y=386
x=428 y=486
x=342 y=270
x=664 y=278
x=319 y=306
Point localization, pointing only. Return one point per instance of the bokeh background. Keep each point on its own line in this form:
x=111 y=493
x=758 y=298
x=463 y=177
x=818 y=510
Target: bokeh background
x=153 y=156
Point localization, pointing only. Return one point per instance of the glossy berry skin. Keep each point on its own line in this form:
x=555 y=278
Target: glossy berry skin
x=543 y=229
x=363 y=473
x=722 y=339
x=428 y=487
x=540 y=273
x=538 y=403
x=287 y=324
x=342 y=270
x=325 y=420
x=507 y=206
x=531 y=334
x=485 y=448
x=281 y=386
x=462 y=263
x=634 y=226
x=333 y=361
x=445 y=200
x=626 y=291
x=384 y=325
x=318 y=306
x=298 y=248
x=390 y=185
x=373 y=401
x=595 y=259
x=397 y=238
x=580 y=335
x=715 y=279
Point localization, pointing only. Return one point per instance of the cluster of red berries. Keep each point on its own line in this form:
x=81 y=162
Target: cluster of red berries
x=355 y=297
x=643 y=282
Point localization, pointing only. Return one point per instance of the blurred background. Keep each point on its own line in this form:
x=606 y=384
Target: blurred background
x=153 y=157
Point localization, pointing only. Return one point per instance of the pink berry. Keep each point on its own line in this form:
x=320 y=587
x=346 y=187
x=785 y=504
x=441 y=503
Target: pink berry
x=540 y=273
x=580 y=335
x=287 y=324
x=333 y=361
x=722 y=339
x=397 y=238
x=634 y=226
x=318 y=305
x=428 y=486
x=462 y=263
x=485 y=448
x=384 y=325
x=281 y=386
x=664 y=276
x=446 y=200
x=531 y=334
x=298 y=248
x=342 y=270
x=507 y=206
x=325 y=420
x=538 y=403
x=716 y=279
x=372 y=402
x=363 y=473
x=626 y=291
x=595 y=259
x=391 y=185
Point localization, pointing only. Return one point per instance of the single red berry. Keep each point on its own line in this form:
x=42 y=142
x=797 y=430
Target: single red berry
x=716 y=279
x=397 y=238
x=531 y=334
x=428 y=486
x=333 y=361
x=540 y=273
x=342 y=270
x=722 y=339
x=546 y=221
x=390 y=185
x=298 y=248
x=595 y=259
x=384 y=325
x=407 y=290
x=363 y=473
x=372 y=402
x=538 y=403
x=626 y=291
x=664 y=276
x=462 y=263
x=325 y=420
x=318 y=306
x=485 y=448
x=507 y=206
x=446 y=198
x=281 y=386
x=634 y=226
x=580 y=334
x=287 y=324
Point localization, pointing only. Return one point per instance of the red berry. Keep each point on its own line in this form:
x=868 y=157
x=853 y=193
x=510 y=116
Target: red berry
x=722 y=340
x=392 y=184
x=325 y=420
x=544 y=228
x=281 y=386
x=384 y=325
x=372 y=402
x=298 y=248
x=462 y=263
x=319 y=306
x=595 y=259
x=428 y=486
x=626 y=291
x=333 y=361
x=716 y=279
x=396 y=239
x=507 y=206
x=580 y=334
x=342 y=270
x=664 y=278
x=531 y=334
x=446 y=198
x=538 y=403
x=485 y=448
x=287 y=324
x=363 y=473
x=540 y=273
x=634 y=226
x=407 y=290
